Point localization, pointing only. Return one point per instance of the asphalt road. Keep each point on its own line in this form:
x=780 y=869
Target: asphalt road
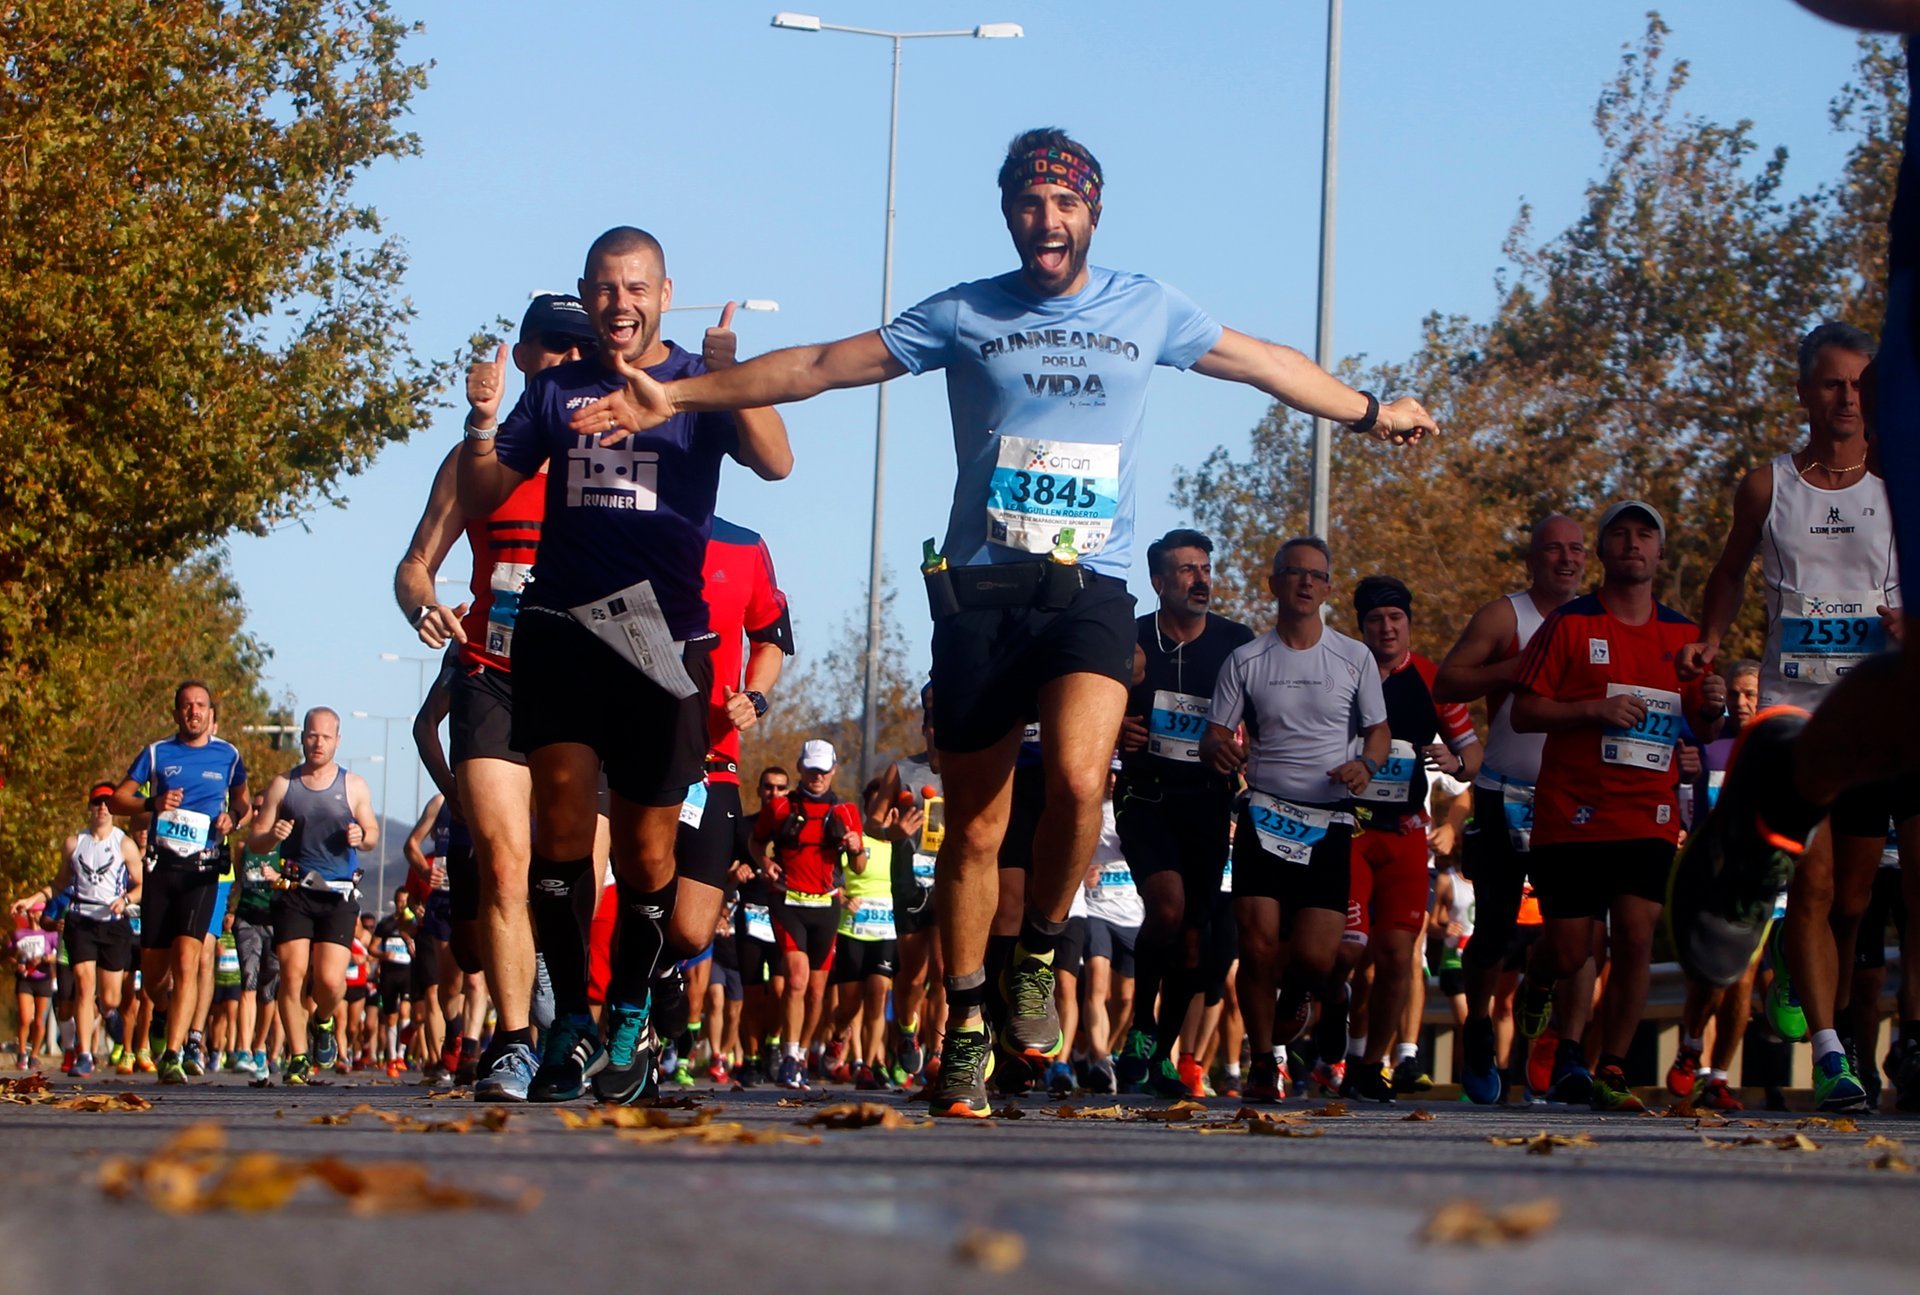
x=1079 y=1204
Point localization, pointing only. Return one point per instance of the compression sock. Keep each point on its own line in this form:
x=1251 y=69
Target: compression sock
x=642 y=940
x=557 y=894
x=966 y=996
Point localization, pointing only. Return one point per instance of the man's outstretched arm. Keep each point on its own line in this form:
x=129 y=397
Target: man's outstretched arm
x=1299 y=383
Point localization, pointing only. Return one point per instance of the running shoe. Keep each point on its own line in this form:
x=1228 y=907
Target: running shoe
x=143 y=1061
x=1721 y=892
x=468 y=1071
x=193 y=1057
x=1229 y=1085
x=1060 y=1080
x=572 y=1056
x=1266 y=1080
x=1869 y=1077
x=1542 y=1055
x=1292 y=1015
x=1684 y=1072
x=1192 y=1078
x=717 y=1070
x=628 y=1061
x=171 y=1070
x=1533 y=1008
x=912 y=1055
x=1164 y=1080
x=1903 y=1067
x=1480 y=1077
x=67 y=1057
x=1612 y=1093
x=299 y=1070
x=1134 y=1060
x=1015 y=1074
x=326 y=1048
x=1101 y=1077
x=748 y=1074
x=1330 y=1076
x=864 y=1079
x=1835 y=1088
x=510 y=1075
x=1033 y=1018
x=230 y=1062
x=966 y=1065
x=835 y=1067
x=1365 y=1083
x=1572 y=1082
x=1717 y=1095
x=683 y=1074
x=119 y=1051
x=396 y=1068
x=1784 y=1013
x=791 y=1073
x=1409 y=1078
x=123 y=1062
x=82 y=1066
x=260 y=1062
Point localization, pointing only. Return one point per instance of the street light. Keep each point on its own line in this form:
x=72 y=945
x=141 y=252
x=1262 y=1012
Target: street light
x=751 y=303
x=421 y=662
x=1320 y=508
x=869 y=719
x=386 y=776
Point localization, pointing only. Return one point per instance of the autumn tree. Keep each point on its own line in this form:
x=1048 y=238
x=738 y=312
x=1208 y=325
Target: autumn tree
x=1647 y=350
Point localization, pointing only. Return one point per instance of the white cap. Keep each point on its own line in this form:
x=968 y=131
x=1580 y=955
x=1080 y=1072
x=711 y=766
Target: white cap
x=1625 y=506
x=817 y=754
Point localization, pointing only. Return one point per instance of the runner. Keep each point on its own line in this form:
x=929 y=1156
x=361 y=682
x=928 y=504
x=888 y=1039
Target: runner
x=494 y=788
x=1820 y=522
x=868 y=950
x=434 y=985
x=1172 y=811
x=100 y=871
x=1387 y=898
x=33 y=950
x=1600 y=680
x=319 y=814
x=252 y=904
x=1483 y=664
x=198 y=794
x=622 y=537
x=462 y=984
x=1048 y=370
x=914 y=782
x=811 y=830
x=1307 y=696
x=757 y=948
x=393 y=953
x=1115 y=916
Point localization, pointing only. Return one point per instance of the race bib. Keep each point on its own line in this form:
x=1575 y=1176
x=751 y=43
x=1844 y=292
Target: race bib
x=1394 y=783
x=694 y=807
x=1287 y=831
x=1226 y=879
x=1823 y=636
x=1115 y=879
x=759 y=921
x=397 y=951
x=1648 y=744
x=1516 y=805
x=509 y=578
x=870 y=919
x=1039 y=487
x=1175 y=726
x=183 y=831
x=923 y=869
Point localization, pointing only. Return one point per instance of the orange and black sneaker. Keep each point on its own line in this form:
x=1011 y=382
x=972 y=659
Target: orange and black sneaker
x=1612 y=1093
x=1684 y=1072
x=1541 y=1054
x=966 y=1064
x=1718 y=1095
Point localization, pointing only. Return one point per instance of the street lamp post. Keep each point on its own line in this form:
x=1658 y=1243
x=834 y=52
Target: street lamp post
x=421 y=662
x=1319 y=515
x=869 y=718
x=750 y=303
x=386 y=776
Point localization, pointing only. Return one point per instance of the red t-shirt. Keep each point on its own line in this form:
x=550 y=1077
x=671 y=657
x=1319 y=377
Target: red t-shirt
x=504 y=545
x=743 y=599
x=808 y=863
x=1597 y=784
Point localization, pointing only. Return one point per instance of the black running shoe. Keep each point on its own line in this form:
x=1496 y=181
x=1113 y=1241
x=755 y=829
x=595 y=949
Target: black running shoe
x=571 y=1056
x=1721 y=893
x=966 y=1064
x=326 y=1048
x=631 y=1047
x=1366 y=1083
x=1033 y=1017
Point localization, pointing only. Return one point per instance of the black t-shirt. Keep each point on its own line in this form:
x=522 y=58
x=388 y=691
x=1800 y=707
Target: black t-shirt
x=1173 y=697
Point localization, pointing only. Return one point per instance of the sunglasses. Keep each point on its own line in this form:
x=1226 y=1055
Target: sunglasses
x=561 y=343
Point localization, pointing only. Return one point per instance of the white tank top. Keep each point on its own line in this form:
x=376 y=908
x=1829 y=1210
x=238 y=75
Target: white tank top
x=1461 y=909
x=1827 y=558
x=1511 y=756
x=99 y=874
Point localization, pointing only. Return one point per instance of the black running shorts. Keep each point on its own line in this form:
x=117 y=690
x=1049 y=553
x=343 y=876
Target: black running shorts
x=106 y=941
x=1023 y=816
x=317 y=915
x=1866 y=811
x=1175 y=827
x=176 y=903
x=1114 y=943
x=1498 y=871
x=480 y=716
x=1575 y=879
x=704 y=853
x=1321 y=882
x=807 y=930
x=855 y=960
x=569 y=687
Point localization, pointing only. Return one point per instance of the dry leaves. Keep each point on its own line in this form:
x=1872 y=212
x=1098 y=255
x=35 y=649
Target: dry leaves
x=1068 y=1112
x=1791 y=1142
x=1469 y=1223
x=1543 y=1143
x=1890 y=1161
x=104 y=1102
x=192 y=1173
x=862 y=1115
x=729 y=1133
x=1417 y=1116
x=1332 y=1111
x=1880 y=1142
x=990 y=1250
x=1011 y=1111
x=1263 y=1124
x=1179 y=1113
x=634 y=1117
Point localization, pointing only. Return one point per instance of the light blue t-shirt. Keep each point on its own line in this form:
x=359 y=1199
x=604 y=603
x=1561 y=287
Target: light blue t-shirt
x=1048 y=399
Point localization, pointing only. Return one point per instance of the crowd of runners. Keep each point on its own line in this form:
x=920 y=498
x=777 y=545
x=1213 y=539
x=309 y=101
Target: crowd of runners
x=1170 y=853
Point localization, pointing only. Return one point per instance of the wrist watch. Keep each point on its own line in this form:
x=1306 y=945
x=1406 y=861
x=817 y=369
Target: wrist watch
x=759 y=700
x=478 y=433
x=1365 y=422
x=420 y=615
x=1373 y=766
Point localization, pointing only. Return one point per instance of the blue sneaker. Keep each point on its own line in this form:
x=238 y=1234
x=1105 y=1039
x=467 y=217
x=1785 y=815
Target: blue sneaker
x=1059 y=1079
x=192 y=1057
x=631 y=1048
x=511 y=1074
x=572 y=1056
x=260 y=1062
x=1835 y=1088
x=1480 y=1077
x=326 y=1049
x=1572 y=1084
x=791 y=1074
x=82 y=1066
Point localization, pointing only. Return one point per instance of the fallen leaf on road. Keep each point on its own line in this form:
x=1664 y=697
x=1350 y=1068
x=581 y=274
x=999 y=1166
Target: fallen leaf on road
x=790 y=1102
x=1469 y=1223
x=1543 y=1142
x=1332 y=1111
x=1891 y=1161
x=1841 y=1125
x=862 y=1115
x=990 y=1250
x=635 y=1117
x=1417 y=1115
x=1880 y=1142
x=1178 y=1113
x=1011 y=1111
x=1275 y=1129
x=1791 y=1142
x=342 y=1117
x=401 y=1187
x=1067 y=1112
x=201 y=1139
x=1249 y=1114
x=728 y=1133
x=24 y=1090
x=104 y=1102
x=451 y=1094
x=255 y=1183
x=1796 y=1142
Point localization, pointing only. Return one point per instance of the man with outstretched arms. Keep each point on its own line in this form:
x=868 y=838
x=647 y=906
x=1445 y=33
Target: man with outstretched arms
x=1389 y=850
x=1047 y=372
x=1171 y=810
x=197 y=794
x=319 y=814
x=1308 y=699
x=101 y=868
x=1820 y=522
x=492 y=783
x=611 y=646
x=1484 y=663
x=1600 y=679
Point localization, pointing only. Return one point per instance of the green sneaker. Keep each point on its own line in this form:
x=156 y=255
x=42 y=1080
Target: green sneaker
x=299 y=1070
x=171 y=1071
x=1835 y=1087
x=1784 y=1012
x=683 y=1073
x=966 y=1063
x=1163 y=1080
x=1533 y=1008
x=1611 y=1093
x=1135 y=1059
x=1033 y=1018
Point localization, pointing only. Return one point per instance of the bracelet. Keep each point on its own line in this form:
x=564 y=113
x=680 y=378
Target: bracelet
x=478 y=433
x=1365 y=422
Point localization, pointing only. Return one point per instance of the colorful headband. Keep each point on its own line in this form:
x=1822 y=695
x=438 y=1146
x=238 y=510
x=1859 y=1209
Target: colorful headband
x=1048 y=165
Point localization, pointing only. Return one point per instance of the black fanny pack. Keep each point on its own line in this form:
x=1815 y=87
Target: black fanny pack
x=1045 y=584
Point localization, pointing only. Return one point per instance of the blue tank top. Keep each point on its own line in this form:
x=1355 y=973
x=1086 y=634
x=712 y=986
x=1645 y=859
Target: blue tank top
x=319 y=841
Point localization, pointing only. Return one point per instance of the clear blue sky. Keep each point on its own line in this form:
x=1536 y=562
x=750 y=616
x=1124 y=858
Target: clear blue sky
x=758 y=157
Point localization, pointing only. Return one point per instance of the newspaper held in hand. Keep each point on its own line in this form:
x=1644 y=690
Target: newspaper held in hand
x=632 y=624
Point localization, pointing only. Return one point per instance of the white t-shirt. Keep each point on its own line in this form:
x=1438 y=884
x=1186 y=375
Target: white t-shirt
x=1302 y=709
x=1113 y=897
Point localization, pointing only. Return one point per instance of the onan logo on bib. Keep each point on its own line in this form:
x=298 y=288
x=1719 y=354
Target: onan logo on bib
x=1815 y=607
x=1043 y=458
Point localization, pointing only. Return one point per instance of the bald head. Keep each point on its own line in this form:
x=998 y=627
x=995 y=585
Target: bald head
x=1557 y=557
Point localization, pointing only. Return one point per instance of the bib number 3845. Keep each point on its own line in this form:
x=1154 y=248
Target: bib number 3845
x=1039 y=487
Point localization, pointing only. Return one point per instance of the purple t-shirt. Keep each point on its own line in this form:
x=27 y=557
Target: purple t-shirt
x=640 y=509
x=31 y=944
